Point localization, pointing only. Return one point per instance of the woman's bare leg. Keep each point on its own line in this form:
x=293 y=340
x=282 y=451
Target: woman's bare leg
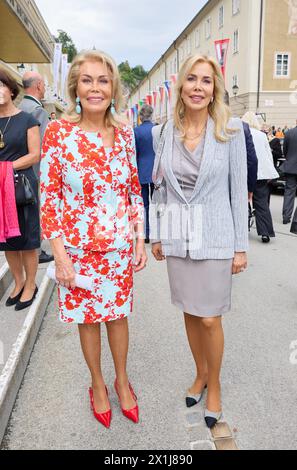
x=90 y=338
x=195 y=338
x=118 y=337
x=213 y=341
x=15 y=263
x=30 y=261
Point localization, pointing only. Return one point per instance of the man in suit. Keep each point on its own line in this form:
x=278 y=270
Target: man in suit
x=289 y=167
x=145 y=156
x=34 y=88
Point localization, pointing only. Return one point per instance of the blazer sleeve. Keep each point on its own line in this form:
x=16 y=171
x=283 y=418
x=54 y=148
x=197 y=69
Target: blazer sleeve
x=154 y=214
x=135 y=188
x=252 y=160
x=238 y=188
x=51 y=183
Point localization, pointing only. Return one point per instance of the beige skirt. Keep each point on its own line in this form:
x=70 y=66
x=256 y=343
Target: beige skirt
x=200 y=287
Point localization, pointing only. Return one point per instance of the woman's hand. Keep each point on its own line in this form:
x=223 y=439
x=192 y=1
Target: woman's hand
x=140 y=256
x=239 y=263
x=157 y=251
x=65 y=272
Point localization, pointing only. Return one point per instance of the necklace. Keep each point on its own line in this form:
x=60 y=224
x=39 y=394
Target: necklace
x=2 y=143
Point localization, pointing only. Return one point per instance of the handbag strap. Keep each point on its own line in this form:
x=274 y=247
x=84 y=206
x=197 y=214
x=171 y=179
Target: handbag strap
x=157 y=173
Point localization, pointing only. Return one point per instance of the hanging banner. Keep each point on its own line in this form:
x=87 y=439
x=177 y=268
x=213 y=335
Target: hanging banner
x=174 y=78
x=64 y=73
x=221 y=51
x=161 y=91
x=167 y=84
x=56 y=65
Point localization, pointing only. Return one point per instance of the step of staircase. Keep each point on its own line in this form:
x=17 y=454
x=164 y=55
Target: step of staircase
x=18 y=333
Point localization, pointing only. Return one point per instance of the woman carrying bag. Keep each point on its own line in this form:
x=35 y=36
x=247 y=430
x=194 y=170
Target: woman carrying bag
x=20 y=144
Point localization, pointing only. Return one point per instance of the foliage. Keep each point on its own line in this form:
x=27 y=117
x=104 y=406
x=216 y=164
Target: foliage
x=131 y=77
x=68 y=46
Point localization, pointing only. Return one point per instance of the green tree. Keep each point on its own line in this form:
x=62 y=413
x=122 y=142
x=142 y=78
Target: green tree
x=68 y=46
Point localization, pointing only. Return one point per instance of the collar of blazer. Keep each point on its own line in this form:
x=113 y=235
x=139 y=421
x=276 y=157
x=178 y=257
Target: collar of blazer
x=210 y=147
x=32 y=98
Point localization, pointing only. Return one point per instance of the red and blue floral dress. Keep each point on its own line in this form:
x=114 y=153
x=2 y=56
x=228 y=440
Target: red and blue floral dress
x=91 y=197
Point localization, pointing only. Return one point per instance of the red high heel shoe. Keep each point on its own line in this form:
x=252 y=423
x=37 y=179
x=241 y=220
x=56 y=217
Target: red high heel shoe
x=103 y=418
x=133 y=413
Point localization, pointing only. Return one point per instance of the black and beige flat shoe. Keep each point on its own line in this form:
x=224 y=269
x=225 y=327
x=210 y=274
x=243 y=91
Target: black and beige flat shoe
x=212 y=417
x=192 y=400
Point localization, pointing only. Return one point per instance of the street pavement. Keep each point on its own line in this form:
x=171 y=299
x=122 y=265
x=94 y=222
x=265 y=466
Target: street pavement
x=259 y=380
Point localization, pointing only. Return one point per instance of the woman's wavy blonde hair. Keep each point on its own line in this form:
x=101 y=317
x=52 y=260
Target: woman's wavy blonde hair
x=218 y=109
x=73 y=76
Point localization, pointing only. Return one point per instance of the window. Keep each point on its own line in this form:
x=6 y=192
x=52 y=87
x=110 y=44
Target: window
x=208 y=28
x=197 y=38
x=235 y=7
x=175 y=65
x=282 y=65
x=235 y=42
x=181 y=53
x=221 y=16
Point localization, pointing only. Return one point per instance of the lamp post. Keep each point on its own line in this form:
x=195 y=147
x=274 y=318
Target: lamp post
x=235 y=90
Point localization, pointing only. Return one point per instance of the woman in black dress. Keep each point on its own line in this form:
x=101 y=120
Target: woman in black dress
x=20 y=143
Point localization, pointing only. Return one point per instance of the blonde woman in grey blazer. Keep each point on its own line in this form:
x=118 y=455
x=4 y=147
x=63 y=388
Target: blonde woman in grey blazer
x=200 y=218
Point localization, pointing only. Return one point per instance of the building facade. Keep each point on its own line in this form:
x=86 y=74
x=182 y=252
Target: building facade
x=261 y=65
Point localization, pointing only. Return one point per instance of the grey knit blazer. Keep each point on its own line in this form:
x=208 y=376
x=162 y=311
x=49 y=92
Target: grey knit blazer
x=213 y=224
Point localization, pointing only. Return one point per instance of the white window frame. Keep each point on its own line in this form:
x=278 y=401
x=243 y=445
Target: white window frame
x=181 y=53
x=288 y=76
x=235 y=7
x=197 y=38
x=236 y=43
x=208 y=28
x=221 y=16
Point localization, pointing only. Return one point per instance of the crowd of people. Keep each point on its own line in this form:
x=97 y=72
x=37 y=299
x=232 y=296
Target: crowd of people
x=100 y=190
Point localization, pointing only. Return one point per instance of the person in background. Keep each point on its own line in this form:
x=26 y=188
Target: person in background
x=289 y=167
x=276 y=148
x=266 y=172
x=20 y=144
x=53 y=116
x=34 y=88
x=252 y=161
x=279 y=133
x=145 y=160
x=285 y=129
x=203 y=229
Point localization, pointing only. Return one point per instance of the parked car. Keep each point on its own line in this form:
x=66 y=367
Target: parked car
x=278 y=184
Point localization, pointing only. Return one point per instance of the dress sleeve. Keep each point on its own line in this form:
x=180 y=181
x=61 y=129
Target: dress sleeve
x=135 y=188
x=51 y=183
x=32 y=121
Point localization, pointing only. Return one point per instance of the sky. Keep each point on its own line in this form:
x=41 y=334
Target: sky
x=139 y=31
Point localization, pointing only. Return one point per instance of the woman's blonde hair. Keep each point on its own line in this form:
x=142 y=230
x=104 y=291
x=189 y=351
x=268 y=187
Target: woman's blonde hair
x=73 y=76
x=218 y=109
x=251 y=119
